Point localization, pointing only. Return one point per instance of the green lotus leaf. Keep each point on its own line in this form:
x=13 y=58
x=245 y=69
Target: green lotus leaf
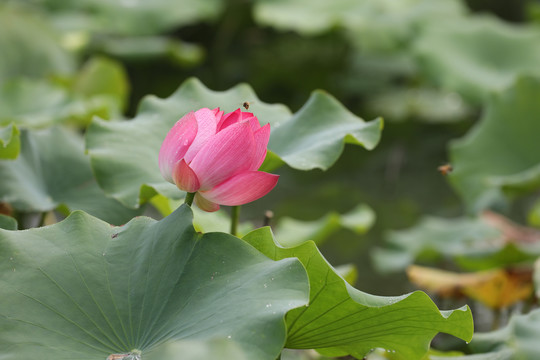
x=422 y=104
x=342 y=320
x=390 y=19
x=435 y=238
x=348 y=272
x=30 y=47
x=102 y=17
x=100 y=88
x=52 y=170
x=518 y=340
x=131 y=48
x=291 y=232
x=124 y=154
x=499 y=157
x=472 y=243
x=39 y=103
x=10 y=142
x=316 y=135
x=477 y=55
x=7 y=222
x=85 y=289
x=34 y=103
x=105 y=79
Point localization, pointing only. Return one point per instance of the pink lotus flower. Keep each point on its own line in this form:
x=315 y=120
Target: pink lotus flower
x=217 y=156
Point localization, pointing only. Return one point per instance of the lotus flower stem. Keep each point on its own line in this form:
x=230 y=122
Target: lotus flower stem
x=268 y=215
x=235 y=215
x=189 y=198
x=42 y=219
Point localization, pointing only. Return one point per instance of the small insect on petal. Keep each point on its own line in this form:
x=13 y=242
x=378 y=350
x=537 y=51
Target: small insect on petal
x=247 y=104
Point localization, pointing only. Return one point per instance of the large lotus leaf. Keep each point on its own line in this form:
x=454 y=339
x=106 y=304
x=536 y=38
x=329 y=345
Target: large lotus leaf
x=100 y=88
x=423 y=104
x=316 y=135
x=392 y=18
x=343 y=320
x=133 y=17
x=518 y=340
x=124 y=154
x=473 y=243
x=477 y=55
x=52 y=170
x=29 y=46
x=10 y=142
x=85 y=289
x=38 y=104
x=500 y=155
x=31 y=103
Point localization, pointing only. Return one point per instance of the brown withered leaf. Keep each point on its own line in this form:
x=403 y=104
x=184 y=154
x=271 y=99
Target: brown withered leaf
x=6 y=209
x=495 y=289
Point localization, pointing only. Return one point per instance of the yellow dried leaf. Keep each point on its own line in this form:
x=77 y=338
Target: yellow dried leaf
x=494 y=288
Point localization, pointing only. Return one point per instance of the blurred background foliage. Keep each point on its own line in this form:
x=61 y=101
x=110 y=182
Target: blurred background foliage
x=436 y=71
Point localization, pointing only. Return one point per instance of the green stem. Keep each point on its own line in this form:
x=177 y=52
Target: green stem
x=19 y=218
x=42 y=217
x=268 y=215
x=189 y=198
x=235 y=215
